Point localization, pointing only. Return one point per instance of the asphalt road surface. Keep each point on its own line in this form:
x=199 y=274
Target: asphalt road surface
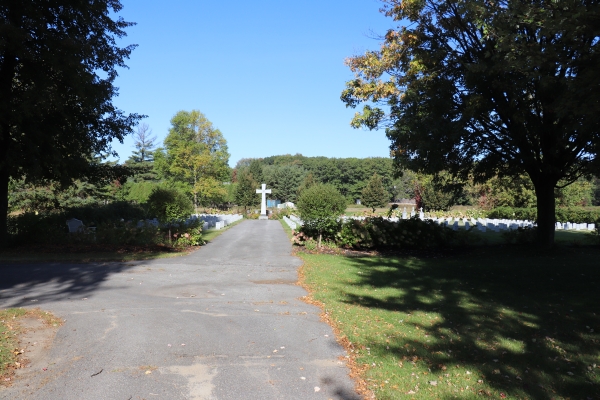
x=225 y=322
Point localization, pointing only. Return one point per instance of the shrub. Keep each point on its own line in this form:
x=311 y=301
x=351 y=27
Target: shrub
x=379 y=233
x=169 y=205
x=189 y=234
x=319 y=207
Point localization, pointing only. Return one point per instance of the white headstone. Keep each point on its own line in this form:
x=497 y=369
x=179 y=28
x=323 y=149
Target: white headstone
x=75 y=225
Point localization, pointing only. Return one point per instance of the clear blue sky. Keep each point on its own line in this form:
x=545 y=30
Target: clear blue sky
x=267 y=73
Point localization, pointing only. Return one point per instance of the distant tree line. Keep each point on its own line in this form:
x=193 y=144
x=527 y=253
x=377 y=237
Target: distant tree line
x=285 y=174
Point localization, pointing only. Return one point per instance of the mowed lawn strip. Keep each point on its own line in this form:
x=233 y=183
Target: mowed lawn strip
x=498 y=322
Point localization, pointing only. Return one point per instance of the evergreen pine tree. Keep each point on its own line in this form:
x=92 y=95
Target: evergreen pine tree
x=374 y=194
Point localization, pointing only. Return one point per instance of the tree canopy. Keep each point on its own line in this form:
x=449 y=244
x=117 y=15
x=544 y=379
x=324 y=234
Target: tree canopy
x=196 y=153
x=486 y=88
x=58 y=63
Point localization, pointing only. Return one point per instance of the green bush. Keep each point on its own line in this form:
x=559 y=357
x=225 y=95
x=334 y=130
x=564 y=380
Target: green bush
x=43 y=228
x=122 y=233
x=115 y=224
x=169 y=205
x=379 y=233
x=319 y=206
x=190 y=234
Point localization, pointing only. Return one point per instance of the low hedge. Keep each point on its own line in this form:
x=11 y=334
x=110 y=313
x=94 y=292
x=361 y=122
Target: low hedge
x=382 y=234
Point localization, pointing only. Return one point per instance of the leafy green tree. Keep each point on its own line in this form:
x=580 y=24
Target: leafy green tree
x=196 y=153
x=403 y=187
x=579 y=193
x=169 y=205
x=505 y=191
x=374 y=194
x=320 y=206
x=488 y=88
x=245 y=195
x=58 y=64
x=596 y=191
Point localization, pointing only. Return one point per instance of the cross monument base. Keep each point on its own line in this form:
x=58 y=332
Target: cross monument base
x=263 y=217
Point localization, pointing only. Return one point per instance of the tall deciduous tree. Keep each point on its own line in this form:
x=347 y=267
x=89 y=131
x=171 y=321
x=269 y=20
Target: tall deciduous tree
x=196 y=152
x=245 y=193
x=58 y=63
x=488 y=87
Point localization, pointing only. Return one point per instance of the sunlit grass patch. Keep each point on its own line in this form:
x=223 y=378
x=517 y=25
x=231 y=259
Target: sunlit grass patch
x=497 y=322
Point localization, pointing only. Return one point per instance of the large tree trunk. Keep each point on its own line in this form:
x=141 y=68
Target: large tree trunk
x=546 y=210
x=3 y=208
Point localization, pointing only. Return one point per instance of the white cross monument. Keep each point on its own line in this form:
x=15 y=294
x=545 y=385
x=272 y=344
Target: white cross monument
x=263 y=204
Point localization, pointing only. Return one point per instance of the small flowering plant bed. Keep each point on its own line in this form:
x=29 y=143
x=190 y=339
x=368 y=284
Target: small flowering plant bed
x=487 y=322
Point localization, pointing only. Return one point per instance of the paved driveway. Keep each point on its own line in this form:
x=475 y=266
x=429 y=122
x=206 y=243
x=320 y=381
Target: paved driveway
x=222 y=323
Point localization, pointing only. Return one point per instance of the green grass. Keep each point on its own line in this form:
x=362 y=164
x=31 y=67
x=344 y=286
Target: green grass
x=210 y=234
x=577 y=238
x=286 y=228
x=8 y=338
x=489 y=322
x=9 y=333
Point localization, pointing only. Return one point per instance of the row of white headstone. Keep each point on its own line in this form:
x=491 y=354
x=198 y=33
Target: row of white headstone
x=481 y=224
x=216 y=221
x=290 y=223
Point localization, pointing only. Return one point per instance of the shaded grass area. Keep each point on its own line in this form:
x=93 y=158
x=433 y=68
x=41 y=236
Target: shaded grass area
x=498 y=322
x=572 y=238
x=9 y=332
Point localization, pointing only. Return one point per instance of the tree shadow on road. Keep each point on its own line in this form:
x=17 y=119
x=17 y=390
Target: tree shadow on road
x=35 y=284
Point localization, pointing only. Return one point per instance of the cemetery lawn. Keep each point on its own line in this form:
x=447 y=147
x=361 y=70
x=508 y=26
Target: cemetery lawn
x=485 y=322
